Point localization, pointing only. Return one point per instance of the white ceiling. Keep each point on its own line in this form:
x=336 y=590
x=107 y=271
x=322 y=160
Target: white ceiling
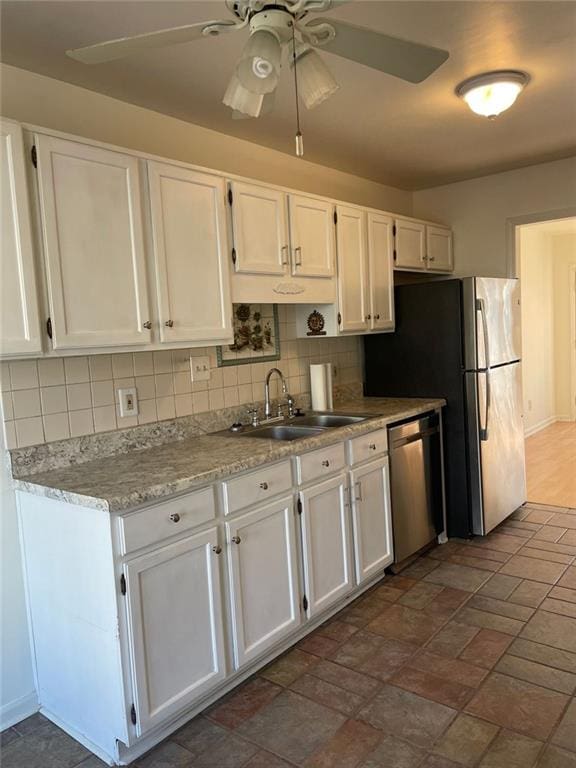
x=376 y=126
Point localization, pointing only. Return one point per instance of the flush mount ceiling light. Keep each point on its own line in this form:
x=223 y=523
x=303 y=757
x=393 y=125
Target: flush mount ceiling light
x=492 y=93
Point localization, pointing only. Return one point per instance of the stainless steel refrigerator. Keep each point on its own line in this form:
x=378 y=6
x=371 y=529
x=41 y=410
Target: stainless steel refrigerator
x=460 y=339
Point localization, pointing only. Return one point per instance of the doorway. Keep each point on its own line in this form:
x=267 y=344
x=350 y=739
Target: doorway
x=546 y=265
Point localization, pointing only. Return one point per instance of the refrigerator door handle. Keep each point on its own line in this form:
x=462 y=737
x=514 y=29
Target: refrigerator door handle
x=481 y=307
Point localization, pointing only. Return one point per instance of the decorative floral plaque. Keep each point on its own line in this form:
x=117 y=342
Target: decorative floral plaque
x=255 y=335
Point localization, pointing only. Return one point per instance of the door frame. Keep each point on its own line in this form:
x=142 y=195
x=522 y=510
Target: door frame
x=572 y=288
x=513 y=234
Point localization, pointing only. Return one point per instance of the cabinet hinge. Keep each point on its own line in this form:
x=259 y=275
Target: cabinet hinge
x=123 y=584
x=133 y=714
x=305 y=603
x=49 y=327
x=335 y=217
x=299 y=506
x=230 y=196
x=233 y=255
x=394 y=229
x=339 y=318
x=394 y=254
x=34 y=156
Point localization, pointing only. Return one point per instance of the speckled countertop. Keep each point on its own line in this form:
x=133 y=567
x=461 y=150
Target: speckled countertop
x=121 y=482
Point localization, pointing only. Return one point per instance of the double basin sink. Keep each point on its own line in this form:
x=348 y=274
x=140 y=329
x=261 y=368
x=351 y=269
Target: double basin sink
x=299 y=427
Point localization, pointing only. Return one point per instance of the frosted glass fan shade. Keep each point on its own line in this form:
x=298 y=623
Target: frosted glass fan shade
x=315 y=80
x=491 y=94
x=242 y=100
x=259 y=67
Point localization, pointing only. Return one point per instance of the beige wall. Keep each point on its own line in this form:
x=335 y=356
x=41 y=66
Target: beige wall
x=32 y=98
x=478 y=210
x=538 y=373
x=564 y=257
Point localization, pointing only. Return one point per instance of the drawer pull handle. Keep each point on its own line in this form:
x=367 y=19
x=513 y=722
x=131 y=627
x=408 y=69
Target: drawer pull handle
x=372 y=446
x=264 y=486
x=358 y=485
x=325 y=463
x=175 y=517
x=147 y=325
x=217 y=550
x=236 y=539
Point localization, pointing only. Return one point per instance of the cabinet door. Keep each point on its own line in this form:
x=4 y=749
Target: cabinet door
x=93 y=239
x=260 y=227
x=410 y=246
x=19 y=321
x=381 y=281
x=263 y=578
x=176 y=626
x=439 y=249
x=371 y=515
x=326 y=544
x=190 y=254
x=312 y=236
x=352 y=268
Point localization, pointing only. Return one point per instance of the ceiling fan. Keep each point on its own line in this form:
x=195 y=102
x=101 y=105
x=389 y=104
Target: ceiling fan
x=283 y=24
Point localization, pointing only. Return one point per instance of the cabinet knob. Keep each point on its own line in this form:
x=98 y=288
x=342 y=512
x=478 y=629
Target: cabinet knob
x=169 y=323
x=217 y=550
x=431 y=258
x=368 y=317
x=264 y=486
x=372 y=446
x=147 y=325
x=325 y=463
x=175 y=517
x=236 y=539
x=377 y=317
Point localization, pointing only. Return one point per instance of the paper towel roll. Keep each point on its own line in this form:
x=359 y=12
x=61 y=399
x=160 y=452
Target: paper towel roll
x=321 y=386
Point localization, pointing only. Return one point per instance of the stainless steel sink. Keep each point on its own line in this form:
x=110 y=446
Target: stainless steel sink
x=330 y=420
x=283 y=432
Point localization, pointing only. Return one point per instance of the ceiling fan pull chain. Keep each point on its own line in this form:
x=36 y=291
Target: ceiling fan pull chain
x=299 y=138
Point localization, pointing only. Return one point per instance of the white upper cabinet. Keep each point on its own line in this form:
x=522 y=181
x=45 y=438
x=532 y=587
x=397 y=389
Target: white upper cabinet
x=410 y=245
x=19 y=320
x=176 y=626
x=312 y=236
x=439 y=249
x=381 y=271
x=190 y=254
x=260 y=227
x=326 y=544
x=352 y=269
x=263 y=578
x=94 y=246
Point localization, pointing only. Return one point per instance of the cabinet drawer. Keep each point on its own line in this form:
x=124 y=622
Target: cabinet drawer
x=320 y=463
x=256 y=487
x=151 y=525
x=368 y=446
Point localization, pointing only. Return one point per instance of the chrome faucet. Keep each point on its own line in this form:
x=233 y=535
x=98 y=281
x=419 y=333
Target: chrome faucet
x=289 y=398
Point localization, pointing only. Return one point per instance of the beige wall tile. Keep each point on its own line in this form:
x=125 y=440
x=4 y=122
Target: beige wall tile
x=122 y=366
x=147 y=411
x=29 y=431
x=104 y=418
x=143 y=364
x=54 y=399
x=79 y=396
x=81 y=422
x=5 y=383
x=10 y=435
x=162 y=362
x=200 y=402
x=216 y=399
x=24 y=374
x=182 y=383
x=51 y=372
x=183 y=404
x=26 y=403
x=145 y=387
x=102 y=393
x=100 y=367
x=166 y=408
x=56 y=426
x=164 y=384
x=76 y=369
x=7 y=408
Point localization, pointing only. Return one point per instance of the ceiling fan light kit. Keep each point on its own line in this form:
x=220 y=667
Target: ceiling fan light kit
x=492 y=93
x=314 y=78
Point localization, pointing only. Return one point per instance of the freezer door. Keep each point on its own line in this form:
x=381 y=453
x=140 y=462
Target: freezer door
x=491 y=321
x=496 y=447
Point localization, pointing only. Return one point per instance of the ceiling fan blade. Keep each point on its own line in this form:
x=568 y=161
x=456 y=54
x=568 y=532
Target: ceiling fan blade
x=410 y=61
x=124 y=46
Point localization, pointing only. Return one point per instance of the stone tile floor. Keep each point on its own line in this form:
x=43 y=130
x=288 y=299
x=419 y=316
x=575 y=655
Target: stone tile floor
x=468 y=658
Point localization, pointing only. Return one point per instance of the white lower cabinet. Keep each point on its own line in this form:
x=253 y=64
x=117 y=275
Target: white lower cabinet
x=264 y=591
x=174 y=609
x=371 y=517
x=325 y=543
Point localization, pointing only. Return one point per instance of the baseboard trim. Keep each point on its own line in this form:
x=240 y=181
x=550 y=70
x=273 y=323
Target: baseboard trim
x=540 y=426
x=15 y=711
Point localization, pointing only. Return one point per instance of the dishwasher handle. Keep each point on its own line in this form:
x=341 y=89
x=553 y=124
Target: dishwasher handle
x=414 y=429
x=398 y=443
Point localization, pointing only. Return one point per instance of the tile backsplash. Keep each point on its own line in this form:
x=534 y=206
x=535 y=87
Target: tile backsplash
x=55 y=398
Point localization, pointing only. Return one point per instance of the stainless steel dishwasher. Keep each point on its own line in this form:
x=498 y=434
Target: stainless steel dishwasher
x=416 y=483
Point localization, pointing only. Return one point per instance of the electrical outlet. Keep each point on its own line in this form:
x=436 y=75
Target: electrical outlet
x=200 y=368
x=128 y=402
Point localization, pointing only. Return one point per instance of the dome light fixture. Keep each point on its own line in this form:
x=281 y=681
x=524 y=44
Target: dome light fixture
x=492 y=93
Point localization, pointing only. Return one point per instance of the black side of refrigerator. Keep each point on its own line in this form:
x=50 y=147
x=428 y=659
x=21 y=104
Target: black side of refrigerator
x=424 y=358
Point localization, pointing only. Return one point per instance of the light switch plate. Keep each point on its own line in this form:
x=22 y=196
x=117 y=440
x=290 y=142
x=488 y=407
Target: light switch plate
x=128 y=401
x=200 y=368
